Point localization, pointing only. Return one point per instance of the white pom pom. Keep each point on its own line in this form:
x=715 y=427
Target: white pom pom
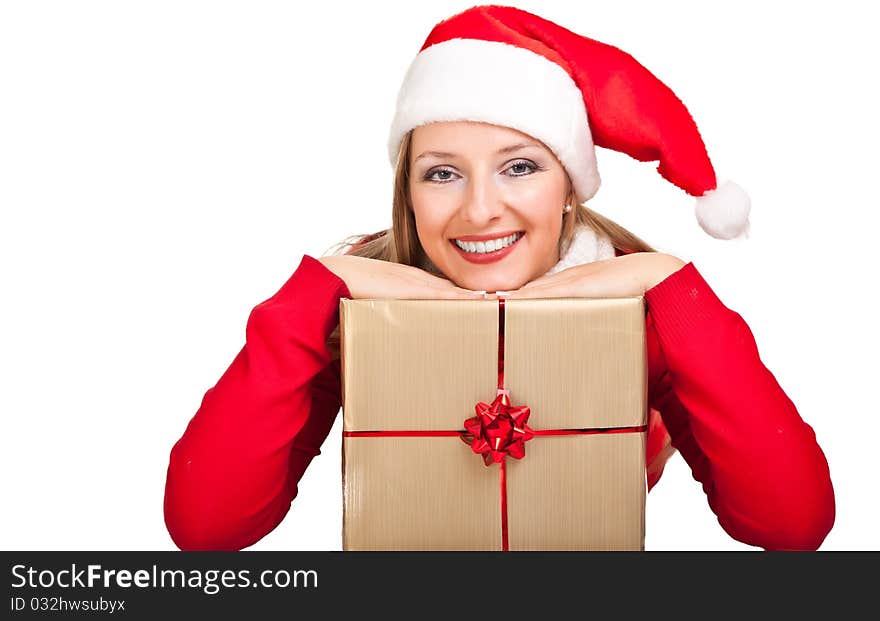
x=724 y=212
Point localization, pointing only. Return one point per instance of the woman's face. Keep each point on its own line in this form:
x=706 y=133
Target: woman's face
x=475 y=179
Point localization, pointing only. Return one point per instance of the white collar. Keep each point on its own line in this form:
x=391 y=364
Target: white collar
x=586 y=246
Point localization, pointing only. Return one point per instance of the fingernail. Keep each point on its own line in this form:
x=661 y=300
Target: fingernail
x=502 y=293
x=478 y=292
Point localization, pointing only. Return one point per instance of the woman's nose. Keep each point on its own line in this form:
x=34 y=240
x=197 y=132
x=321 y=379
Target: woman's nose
x=482 y=202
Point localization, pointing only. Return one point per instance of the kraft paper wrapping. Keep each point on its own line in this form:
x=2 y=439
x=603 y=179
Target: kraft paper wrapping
x=424 y=364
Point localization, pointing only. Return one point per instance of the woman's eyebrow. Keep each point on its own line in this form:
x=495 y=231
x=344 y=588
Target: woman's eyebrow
x=501 y=151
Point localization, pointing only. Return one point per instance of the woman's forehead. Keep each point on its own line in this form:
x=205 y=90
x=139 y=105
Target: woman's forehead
x=449 y=130
x=460 y=137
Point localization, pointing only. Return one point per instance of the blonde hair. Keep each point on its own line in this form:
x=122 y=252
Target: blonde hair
x=400 y=243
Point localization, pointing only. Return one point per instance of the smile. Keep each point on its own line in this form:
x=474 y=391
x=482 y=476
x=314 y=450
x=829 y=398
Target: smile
x=487 y=251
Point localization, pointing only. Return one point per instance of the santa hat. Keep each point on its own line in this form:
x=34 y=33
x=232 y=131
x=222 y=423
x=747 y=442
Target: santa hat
x=508 y=67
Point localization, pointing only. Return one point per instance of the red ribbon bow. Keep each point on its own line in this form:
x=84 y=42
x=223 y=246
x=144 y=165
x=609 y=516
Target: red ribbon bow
x=498 y=429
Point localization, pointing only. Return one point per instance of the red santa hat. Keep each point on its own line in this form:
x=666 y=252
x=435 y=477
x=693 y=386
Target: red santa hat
x=508 y=67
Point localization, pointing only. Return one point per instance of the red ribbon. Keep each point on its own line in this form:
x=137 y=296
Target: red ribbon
x=498 y=430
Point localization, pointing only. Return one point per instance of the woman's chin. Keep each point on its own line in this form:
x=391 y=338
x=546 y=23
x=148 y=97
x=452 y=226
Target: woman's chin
x=492 y=285
x=497 y=280
x=490 y=278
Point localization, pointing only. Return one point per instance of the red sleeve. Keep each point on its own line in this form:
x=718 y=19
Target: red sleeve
x=763 y=472
x=233 y=473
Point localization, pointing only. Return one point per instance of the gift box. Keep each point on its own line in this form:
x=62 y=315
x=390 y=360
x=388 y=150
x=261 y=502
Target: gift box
x=494 y=424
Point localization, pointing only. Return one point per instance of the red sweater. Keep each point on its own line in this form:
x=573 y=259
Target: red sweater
x=234 y=472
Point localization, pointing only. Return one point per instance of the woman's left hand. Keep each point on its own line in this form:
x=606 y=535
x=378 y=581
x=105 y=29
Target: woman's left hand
x=628 y=275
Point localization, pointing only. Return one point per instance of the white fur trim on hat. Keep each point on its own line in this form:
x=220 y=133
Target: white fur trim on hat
x=501 y=84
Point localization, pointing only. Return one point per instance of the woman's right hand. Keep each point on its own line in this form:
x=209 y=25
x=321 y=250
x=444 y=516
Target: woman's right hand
x=374 y=278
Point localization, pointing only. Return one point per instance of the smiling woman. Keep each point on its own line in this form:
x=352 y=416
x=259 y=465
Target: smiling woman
x=571 y=232
x=493 y=143
x=417 y=175
x=482 y=194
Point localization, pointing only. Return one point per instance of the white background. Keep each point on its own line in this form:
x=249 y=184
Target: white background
x=165 y=165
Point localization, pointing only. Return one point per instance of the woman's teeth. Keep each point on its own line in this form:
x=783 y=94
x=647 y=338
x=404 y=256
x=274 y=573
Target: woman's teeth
x=488 y=246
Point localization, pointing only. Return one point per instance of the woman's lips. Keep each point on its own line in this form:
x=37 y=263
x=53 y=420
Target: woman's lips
x=486 y=257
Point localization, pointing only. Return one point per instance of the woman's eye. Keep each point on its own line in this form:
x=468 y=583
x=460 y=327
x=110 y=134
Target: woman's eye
x=523 y=168
x=446 y=175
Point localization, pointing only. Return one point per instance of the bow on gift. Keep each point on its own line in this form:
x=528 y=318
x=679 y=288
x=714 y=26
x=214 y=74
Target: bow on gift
x=498 y=429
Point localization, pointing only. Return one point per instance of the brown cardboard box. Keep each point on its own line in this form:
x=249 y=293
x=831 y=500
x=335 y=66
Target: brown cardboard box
x=422 y=365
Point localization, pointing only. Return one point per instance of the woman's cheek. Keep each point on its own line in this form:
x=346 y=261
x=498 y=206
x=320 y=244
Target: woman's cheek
x=430 y=229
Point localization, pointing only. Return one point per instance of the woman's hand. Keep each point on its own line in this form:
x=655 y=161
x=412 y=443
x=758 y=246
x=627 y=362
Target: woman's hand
x=373 y=278
x=624 y=276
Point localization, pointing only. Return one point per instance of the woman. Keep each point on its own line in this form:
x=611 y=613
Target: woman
x=493 y=143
